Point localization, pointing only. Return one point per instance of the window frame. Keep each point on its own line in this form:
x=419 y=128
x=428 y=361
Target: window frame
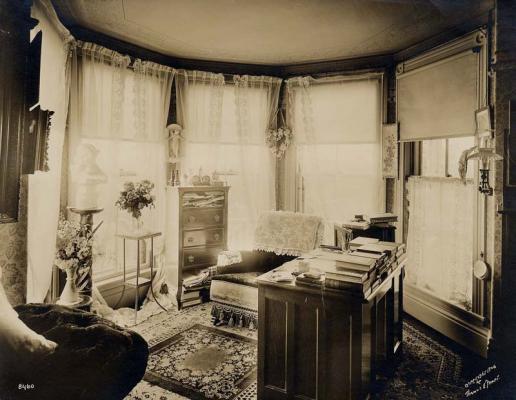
x=299 y=185
x=410 y=160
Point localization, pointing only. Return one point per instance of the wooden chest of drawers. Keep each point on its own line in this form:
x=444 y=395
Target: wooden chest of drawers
x=196 y=229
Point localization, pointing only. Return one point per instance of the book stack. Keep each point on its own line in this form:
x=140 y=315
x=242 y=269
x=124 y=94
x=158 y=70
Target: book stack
x=342 y=271
x=387 y=254
x=191 y=297
x=195 y=288
x=360 y=241
x=382 y=218
x=360 y=271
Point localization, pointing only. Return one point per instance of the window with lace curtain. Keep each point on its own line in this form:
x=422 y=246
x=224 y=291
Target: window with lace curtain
x=336 y=124
x=442 y=214
x=225 y=125
x=122 y=112
x=125 y=159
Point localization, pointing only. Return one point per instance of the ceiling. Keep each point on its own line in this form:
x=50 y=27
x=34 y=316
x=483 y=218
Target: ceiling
x=273 y=32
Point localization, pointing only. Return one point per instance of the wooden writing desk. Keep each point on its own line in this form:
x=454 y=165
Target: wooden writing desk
x=325 y=344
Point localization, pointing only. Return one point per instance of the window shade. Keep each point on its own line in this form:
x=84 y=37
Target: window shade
x=339 y=112
x=439 y=100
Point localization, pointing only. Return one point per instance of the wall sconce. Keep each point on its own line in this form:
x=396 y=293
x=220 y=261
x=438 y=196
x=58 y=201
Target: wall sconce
x=484 y=155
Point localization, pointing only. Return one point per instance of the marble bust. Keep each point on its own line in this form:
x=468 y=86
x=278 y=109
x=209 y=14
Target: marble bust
x=86 y=177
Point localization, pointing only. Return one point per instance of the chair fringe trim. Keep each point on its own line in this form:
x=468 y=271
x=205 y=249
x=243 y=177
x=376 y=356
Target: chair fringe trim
x=234 y=316
x=279 y=251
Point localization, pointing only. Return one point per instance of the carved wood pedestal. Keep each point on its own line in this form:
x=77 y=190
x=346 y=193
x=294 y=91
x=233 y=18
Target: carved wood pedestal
x=84 y=280
x=326 y=344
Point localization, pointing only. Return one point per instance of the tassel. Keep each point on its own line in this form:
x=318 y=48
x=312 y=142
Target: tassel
x=231 y=321
x=241 y=321
x=221 y=315
x=251 y=325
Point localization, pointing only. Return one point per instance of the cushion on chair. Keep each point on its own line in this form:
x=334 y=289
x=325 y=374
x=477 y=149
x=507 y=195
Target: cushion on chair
x=94 y=359
x=255 y=261
x=231 y=293
x=245 y=278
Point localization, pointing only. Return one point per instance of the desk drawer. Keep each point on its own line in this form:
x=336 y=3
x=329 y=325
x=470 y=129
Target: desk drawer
x=202 y=218
x=200 y=257
x=204 y=237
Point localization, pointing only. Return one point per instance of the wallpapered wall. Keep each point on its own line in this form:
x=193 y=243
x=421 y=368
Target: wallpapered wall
x=13 y=252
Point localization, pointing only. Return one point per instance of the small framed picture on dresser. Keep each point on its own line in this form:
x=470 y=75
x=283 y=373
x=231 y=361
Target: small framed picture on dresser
x=390 y=150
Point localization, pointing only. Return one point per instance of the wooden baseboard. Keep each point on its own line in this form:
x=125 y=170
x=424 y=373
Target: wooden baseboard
x=459 y=325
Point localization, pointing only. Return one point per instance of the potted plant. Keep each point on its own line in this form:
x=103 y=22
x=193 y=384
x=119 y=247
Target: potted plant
x=74 y=243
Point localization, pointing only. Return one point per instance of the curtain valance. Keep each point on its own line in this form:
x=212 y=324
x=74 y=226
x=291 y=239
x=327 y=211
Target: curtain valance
x=99 y=53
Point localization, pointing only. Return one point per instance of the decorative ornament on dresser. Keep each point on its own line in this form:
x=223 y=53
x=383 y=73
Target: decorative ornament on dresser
x=174 y=143
x=135 y=197
x=279 y=140
x=74 y=241
x=174 y=140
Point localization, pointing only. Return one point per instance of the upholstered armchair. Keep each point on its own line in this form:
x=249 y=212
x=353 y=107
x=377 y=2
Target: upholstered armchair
x=50 y=352
x=280 y=236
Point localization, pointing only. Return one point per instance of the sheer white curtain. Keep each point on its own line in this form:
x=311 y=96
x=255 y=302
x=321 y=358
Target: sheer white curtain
x=224 y=129
x=44 y=187
x=123 y=113
x=335 y=163
x=440 y=237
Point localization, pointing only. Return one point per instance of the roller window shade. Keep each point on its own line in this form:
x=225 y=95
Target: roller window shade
x=439 y=100
x=339 y=112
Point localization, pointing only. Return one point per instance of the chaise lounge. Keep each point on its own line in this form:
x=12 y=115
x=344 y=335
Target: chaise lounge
x=279 y=237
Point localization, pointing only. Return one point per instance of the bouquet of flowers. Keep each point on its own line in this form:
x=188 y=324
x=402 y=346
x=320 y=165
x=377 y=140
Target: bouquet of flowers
x=278 y=140
x=73 y=245
x=135 y=197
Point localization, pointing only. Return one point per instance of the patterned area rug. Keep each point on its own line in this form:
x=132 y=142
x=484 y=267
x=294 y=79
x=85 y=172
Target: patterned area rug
x=427 y=369
x=204 y=363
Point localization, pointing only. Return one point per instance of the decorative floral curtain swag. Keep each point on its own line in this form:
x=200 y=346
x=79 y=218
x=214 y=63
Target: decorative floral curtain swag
x=279 y=140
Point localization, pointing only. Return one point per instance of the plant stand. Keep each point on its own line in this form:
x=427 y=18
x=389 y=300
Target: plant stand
x=139 y=281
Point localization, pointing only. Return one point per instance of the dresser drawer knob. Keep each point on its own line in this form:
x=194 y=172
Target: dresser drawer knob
x=216 y=236
x=216 y=217
x=191 y=259
x=191 y=219
x=190 y=239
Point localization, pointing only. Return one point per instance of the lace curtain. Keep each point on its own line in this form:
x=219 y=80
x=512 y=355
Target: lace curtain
x=334 y=168
x=44 y=187
x=440 y=237
x=122 y=112
x=224 y=129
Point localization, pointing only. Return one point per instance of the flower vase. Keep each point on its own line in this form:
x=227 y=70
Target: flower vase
x=69 y=295
x=138 y=229
x=137 y=225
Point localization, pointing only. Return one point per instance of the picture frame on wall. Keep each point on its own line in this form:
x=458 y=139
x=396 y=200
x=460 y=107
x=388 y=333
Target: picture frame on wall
x=483 y=122
x=390 y=150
